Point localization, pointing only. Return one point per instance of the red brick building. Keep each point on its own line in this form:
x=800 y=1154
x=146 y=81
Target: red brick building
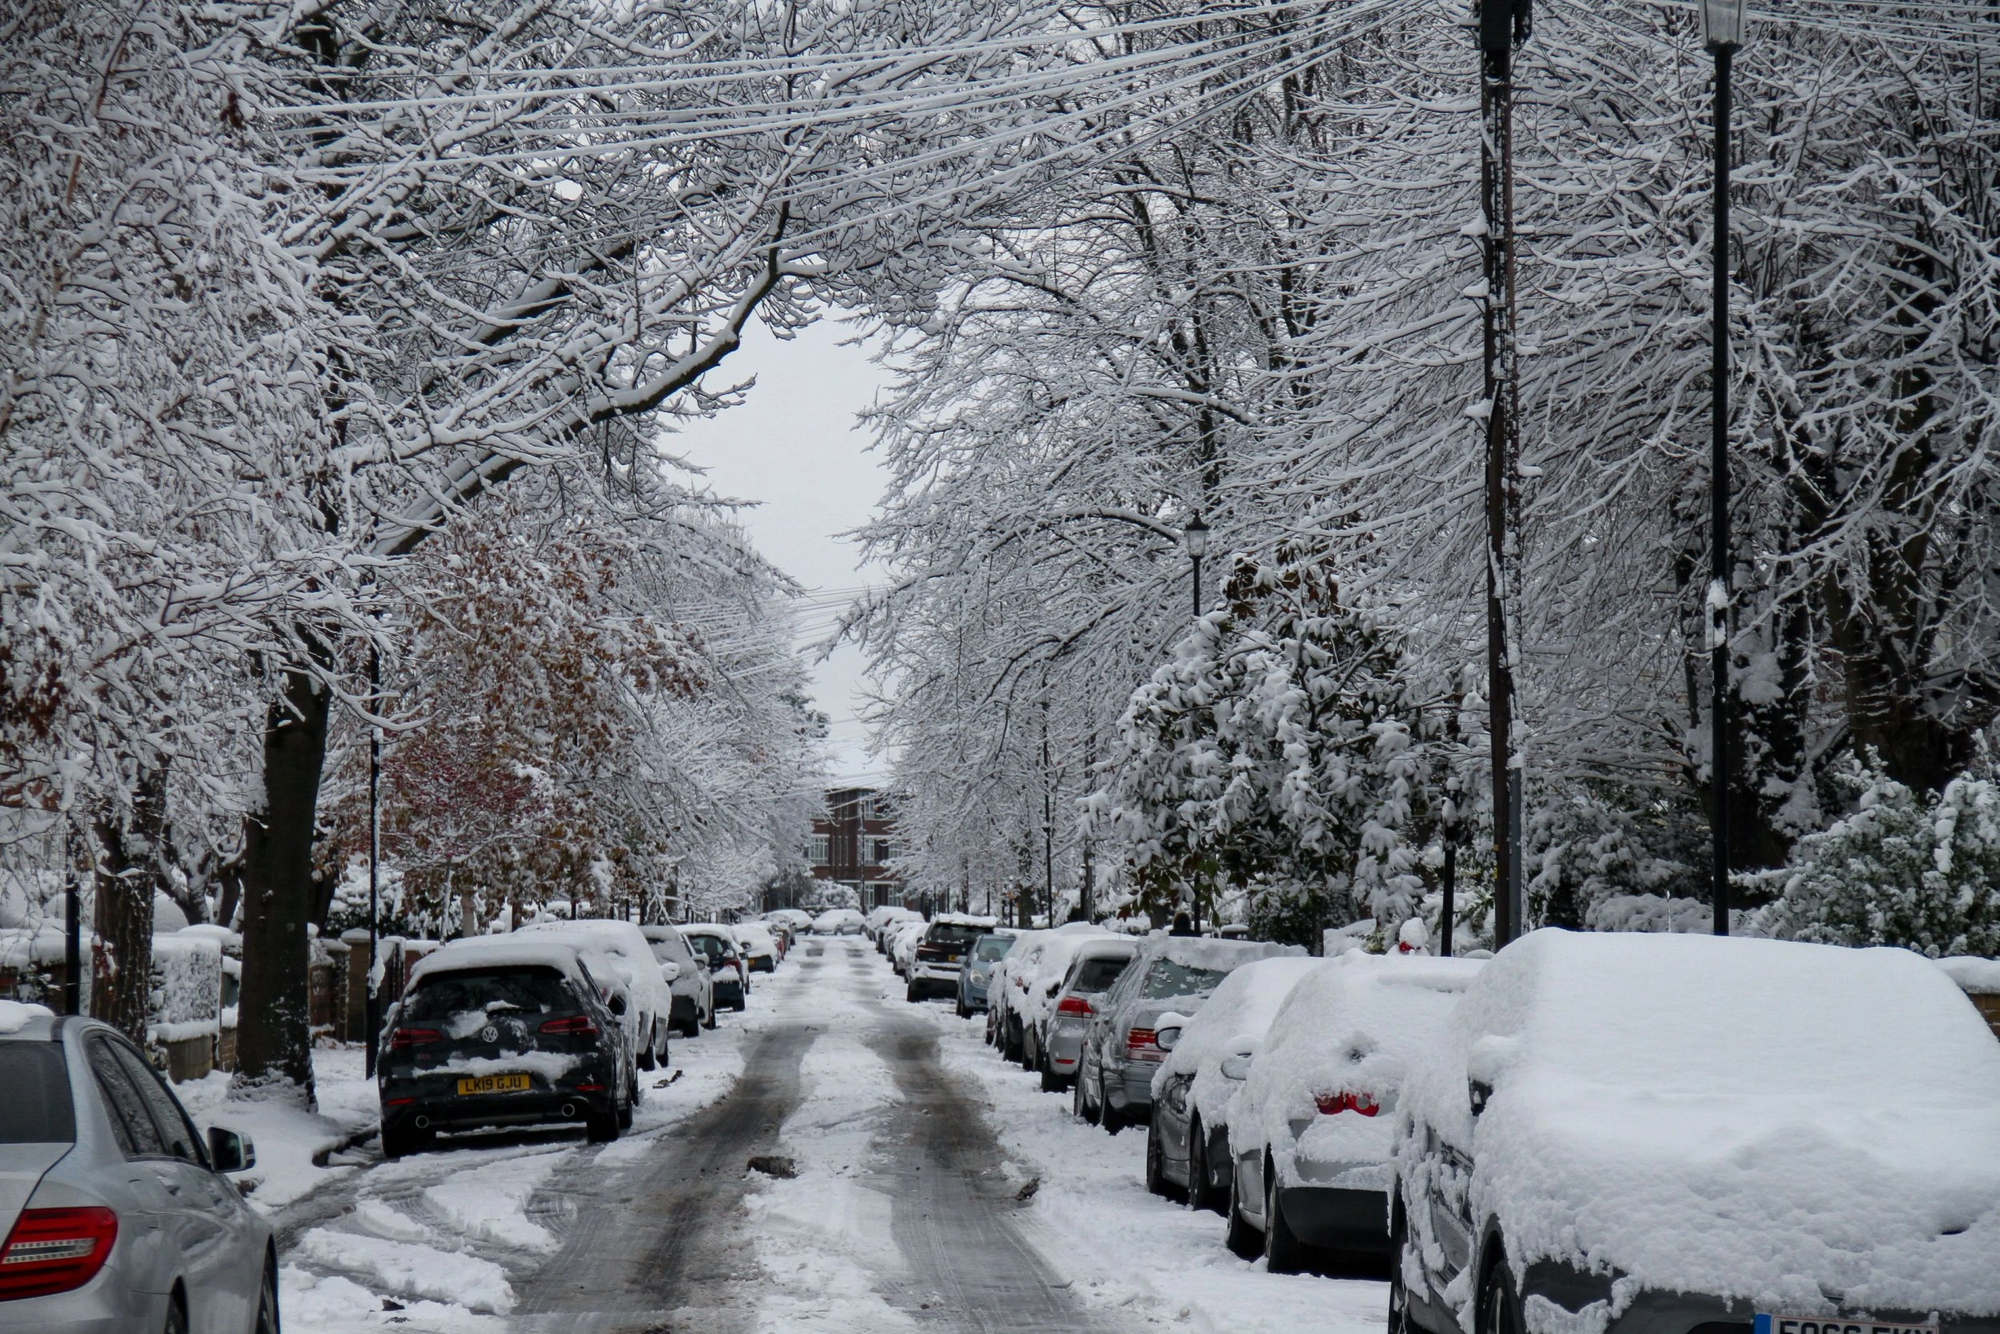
x=854 y=844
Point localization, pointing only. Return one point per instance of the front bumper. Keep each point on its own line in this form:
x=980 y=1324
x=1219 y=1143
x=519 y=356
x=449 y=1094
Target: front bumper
x=945 y=974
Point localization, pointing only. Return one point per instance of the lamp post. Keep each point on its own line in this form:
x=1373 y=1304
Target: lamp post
x=372 y=1011
x=1195 y=534
x=1722 y=33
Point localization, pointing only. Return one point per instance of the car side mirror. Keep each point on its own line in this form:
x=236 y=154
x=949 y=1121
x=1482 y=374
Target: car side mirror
x=670 y=972
x=1236 y=1065
x=617 y=1006
x=229 y=1151
x=1477 y=1094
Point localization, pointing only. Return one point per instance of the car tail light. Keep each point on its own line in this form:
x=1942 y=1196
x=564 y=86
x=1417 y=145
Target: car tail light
x=1142 y=1044
x=576 y=1023
x=404 y=1038
x=590 y=1088
x=54 y=1250
x=1331 y=1104
x=1074 y=1005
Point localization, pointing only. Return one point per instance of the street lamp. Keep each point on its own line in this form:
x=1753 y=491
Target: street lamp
x=1195 y=534
x=1722 y=33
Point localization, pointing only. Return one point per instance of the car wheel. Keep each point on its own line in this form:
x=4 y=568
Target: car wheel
x=1051 y=1081
x=403 y=1141
x=1283 y=1252
x=1241 y=1239
x=600 y=1127
x=1399 y=1294
x=911 y=994
x=177 y=1321
x=1499 y=1308
x=708 y=1020
x=267 y=1300
x=1010 y=1045
x=1156 y=1163
x=740 y=1005
x=645 y=1061
x=1080 y=1104
x=962 y=1011
x=1108 y=1116
x=1200 y=1193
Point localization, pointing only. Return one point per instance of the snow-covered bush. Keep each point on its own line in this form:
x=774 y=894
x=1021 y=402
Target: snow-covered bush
x=1583 y=848
x=1906 y=868
x=187 y=987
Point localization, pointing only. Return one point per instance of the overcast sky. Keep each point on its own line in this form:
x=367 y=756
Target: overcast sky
x=794 y=449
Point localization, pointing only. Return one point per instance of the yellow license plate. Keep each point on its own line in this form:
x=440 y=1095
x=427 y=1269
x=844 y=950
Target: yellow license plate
x=495 y=1084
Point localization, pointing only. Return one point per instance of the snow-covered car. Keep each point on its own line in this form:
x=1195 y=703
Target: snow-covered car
x=502 y=1031
x=838 y=922
x=636 y=974
x=936 y=959
x=694 y=994
x=987 y=951
x=1310 y=1133
x=1000 y=991
x=1623 y=1132
x=796 y=920
x=883 y=916
x=716 y=945
x=1034 y=983
x=1114 y=1078
x=756 y=946
x=1099 y=962
x=1187 y=1144
x=903 y=940
x=115 y=1215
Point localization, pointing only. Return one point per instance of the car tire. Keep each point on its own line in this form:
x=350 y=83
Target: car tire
x=1284 y=1253
x=1051 y=1081
x=1108 y=1116
x=1242 y=1240
x=1200 y=1191
x=403 y=1141
x=1156 y=1163
x=645 y=1061
x=177 y=1321
x=1499 y=1309
x=708 y=1020
x=962 y=1011
x=740 y=1005
x=911 y=994
x=1399 y=1292
x=1010 y=1044
x=267 y=1300
x=600 y=1127
x=1080 y=1103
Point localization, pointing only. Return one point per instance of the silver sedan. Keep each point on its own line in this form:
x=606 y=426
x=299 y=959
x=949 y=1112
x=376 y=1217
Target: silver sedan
x=117 y=1216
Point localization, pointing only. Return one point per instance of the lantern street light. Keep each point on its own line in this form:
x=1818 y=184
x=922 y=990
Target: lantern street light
x=1195 y=534
x=1722 y=33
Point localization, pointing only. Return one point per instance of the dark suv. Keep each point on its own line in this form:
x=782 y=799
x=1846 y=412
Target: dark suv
x=498 y=1032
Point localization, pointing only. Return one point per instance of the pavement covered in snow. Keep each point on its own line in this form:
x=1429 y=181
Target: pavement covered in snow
x=904 y=1178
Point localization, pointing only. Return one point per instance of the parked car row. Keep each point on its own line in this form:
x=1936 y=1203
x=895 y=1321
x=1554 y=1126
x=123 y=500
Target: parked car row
x=554 y=1023
x=1629 y=1133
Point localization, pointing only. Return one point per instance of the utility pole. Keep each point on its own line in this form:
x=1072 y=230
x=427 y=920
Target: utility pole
x=372 y=1014
x=73 y=926
x=1503 y=25
x=1722 y=25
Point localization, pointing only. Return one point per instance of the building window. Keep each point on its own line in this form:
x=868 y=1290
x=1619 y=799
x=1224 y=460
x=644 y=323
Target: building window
x=882 y=852
x=816 y=849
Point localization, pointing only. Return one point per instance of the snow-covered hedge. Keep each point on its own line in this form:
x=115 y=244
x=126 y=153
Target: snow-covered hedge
x=187 y=987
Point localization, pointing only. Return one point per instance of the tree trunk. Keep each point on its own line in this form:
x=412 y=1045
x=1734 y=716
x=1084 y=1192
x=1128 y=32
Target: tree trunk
x=274 y=1041
x=128 y=875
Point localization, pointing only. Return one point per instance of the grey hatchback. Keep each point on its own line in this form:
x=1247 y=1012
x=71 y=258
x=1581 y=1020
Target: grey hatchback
x=116 y=1215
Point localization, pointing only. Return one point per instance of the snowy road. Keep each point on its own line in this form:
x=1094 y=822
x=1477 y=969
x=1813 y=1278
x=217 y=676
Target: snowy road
x=910 y=1147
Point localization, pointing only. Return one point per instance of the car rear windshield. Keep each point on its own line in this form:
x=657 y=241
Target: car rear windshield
x=991 y=947
x=36 y=1109
x=489 y=990
x=954 y=934
x=1167 y=978
x=1095 y=975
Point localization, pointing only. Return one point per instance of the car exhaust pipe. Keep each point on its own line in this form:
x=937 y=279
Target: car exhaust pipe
x=422 y=1123
x=569 y=1111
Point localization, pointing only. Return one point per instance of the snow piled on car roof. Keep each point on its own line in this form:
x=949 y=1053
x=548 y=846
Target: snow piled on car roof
x=1216 y=955
x=1242 y=1007
x=1799 y=1126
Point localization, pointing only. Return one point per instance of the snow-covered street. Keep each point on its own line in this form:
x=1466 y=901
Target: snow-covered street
x=930 y=1186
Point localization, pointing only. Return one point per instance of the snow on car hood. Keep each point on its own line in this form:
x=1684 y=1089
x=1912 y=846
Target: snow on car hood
x=1801 y=1126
